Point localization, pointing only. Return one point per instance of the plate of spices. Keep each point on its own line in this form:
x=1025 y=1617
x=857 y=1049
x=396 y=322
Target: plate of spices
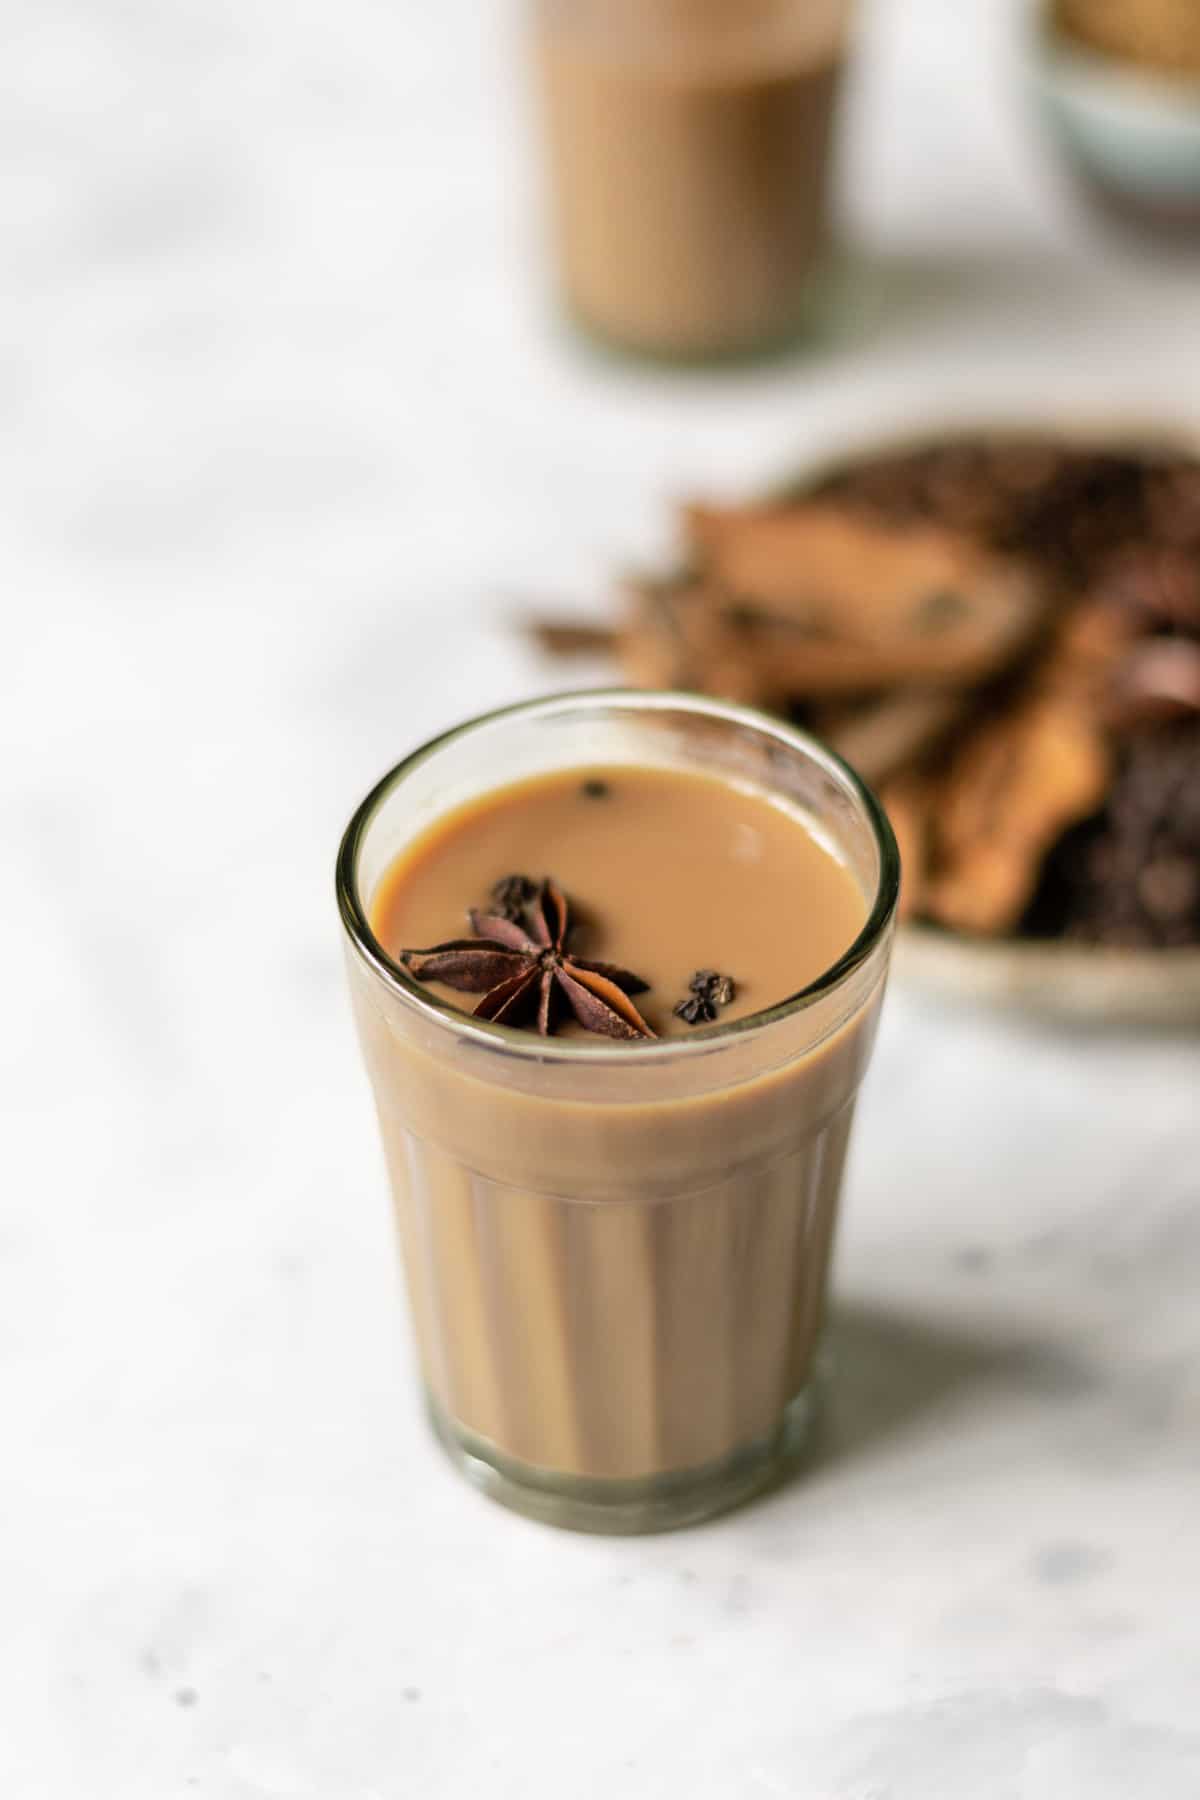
x=1001 y=631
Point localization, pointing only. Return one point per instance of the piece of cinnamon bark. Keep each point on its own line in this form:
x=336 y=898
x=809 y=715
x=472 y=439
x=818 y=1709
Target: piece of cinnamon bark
x=807 y=600
x=1013 y=788
x=907 y=801
x=882 y=738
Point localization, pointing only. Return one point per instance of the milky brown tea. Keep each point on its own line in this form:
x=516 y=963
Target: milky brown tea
x=615 y=1018
x=666 y=875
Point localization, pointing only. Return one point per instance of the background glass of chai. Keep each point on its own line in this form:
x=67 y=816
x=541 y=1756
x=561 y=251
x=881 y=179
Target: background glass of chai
x=689 y=146
x=617 y=1254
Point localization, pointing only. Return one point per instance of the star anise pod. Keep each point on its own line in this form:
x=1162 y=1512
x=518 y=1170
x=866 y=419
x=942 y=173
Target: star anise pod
x=527 y=976
x=511 y=895
x=709 y=989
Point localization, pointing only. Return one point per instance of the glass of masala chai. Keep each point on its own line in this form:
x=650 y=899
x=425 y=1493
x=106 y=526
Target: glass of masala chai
x=690 y=151
x=616 y=960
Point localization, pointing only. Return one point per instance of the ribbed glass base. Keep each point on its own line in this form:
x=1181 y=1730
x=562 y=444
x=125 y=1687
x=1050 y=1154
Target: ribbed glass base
x=650 y=1503
x=812 y=323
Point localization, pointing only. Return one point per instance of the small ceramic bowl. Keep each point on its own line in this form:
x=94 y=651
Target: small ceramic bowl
x=1131 y=133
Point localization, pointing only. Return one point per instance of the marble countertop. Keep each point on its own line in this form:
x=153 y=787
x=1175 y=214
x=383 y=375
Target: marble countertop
x=287 y=434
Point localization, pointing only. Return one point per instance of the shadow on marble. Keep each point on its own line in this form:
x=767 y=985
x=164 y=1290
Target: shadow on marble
x=887 y=292
x=864 y=297
x=889 y=1370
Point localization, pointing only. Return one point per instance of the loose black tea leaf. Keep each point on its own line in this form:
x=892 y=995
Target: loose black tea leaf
x=512 y=894
x=709 y=990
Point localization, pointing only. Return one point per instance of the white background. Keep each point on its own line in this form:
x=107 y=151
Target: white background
x=288 y=433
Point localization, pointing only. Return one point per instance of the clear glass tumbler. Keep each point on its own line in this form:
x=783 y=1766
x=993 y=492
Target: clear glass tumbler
x=617 y=1257
x=690 y=154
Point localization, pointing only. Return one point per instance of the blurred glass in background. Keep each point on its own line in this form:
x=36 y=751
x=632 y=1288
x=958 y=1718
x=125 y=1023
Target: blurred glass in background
x=689 y=145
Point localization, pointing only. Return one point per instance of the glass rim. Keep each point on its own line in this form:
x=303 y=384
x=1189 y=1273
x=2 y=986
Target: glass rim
x=538 y=1049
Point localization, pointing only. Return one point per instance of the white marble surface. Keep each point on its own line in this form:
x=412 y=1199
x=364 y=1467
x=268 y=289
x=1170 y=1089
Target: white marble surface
x=285 y=428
